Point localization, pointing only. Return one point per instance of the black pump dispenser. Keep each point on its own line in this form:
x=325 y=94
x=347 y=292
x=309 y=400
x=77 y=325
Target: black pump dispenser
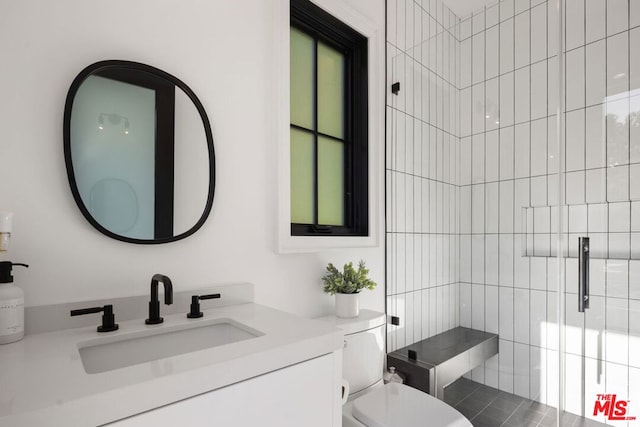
x=5 y=270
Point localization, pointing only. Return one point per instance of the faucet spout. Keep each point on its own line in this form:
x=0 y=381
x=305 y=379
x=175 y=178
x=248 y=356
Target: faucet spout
x=168 y=288
x=154 y=304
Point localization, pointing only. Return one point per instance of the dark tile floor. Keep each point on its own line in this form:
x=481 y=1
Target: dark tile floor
x=486 y=406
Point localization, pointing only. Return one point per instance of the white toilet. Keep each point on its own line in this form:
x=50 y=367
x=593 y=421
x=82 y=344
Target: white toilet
x=372 y=403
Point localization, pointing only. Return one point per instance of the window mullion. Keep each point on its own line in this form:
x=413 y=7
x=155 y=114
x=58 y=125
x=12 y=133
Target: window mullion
x=315 y=131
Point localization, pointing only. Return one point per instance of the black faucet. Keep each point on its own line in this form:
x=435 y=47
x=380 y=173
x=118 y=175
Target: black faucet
x=154 y=304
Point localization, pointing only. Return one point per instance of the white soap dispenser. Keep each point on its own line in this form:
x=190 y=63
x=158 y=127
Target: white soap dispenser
x=11 y=305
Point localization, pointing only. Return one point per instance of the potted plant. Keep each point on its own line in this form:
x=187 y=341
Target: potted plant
x=345 y=286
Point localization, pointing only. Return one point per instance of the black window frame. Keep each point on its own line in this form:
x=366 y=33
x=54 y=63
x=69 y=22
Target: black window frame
x=324 y=27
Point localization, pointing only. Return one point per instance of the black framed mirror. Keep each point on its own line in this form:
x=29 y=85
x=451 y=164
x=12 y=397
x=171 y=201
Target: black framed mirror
x=139 y=152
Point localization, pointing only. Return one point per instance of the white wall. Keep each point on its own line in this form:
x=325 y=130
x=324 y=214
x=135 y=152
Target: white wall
x=223 y=51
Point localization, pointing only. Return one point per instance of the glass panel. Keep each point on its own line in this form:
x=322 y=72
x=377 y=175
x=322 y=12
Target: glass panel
x=302 y=171
x=600 y=344
x=330 y=91
x=330 y=182
x=302 y=64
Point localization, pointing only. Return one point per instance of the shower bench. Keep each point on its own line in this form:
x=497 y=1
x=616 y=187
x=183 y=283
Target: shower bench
x=433 y=363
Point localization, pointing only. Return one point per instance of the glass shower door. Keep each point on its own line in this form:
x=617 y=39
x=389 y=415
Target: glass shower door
x=599 y=216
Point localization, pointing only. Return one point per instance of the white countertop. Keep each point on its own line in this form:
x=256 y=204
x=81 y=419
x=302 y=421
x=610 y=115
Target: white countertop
x=43 y=382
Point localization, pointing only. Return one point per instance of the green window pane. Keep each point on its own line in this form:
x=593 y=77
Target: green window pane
x=302 y=70
x=330 y=91
x=330 y=182
x=302 y=177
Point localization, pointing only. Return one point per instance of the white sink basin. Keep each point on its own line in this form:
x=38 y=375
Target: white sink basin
x=119 y=351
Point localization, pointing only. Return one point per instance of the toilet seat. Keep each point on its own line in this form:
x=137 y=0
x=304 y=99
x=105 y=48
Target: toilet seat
x=395 y=405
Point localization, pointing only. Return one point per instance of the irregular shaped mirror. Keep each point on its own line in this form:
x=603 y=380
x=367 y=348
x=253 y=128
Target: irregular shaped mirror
x=139 y=152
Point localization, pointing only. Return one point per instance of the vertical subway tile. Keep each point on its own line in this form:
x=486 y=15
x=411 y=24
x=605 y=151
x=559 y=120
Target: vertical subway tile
x=538 y=147
x=552 y=26
x=465 y=258
x=506 y=45
x=477 y=310
x=634 y=178
x=465 y=63
x=491 y=207
x=465 y=161
x=522 y=94
x=477 y=159
x=538 y=279
x=575 y=134
x=491 y=156
x=617 y=132
x=595 y=73
x=477 y=208
x=478 y=57
x=492 y=100
x=505 y=277
x=478 y=106
x=616 y=335
x=595 y=10
x=539 y=33
x=477 y=258
x=634 y=130
x=506 y=313
x=538 y=316
x=521 y=316
x=617 y=16
x=552 y=86
x=575 y=75
x=506 y=106
x=596 y=185
x=522 y=34
x=539 y=90
x=539 y=191
x=506 y=153
x=491 y=308
x=522 y=151
x=574 y=21
x=466 y=107
x=521 y=6
x=492 y=15
x=478 y=21
x=492 y=49
x=505 y=377
x=634 y=59
x=617 y=183
x=465 y=28
x=506 y=9
x=634 y=14
x=506 y=207
x=595 y=137
x=618 y=65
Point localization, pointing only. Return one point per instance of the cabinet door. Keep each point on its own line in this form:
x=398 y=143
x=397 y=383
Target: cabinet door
x=305 y=394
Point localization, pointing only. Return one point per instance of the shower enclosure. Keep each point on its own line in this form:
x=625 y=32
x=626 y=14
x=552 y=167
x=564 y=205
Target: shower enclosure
x=513 y=193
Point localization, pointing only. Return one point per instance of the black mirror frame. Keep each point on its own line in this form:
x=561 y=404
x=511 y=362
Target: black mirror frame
x=120 y=64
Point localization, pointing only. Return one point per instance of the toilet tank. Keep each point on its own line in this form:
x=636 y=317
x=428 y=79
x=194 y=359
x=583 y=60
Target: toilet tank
x=363 y=352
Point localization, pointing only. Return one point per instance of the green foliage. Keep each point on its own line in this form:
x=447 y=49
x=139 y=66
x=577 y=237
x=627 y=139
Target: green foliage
x=350 y=281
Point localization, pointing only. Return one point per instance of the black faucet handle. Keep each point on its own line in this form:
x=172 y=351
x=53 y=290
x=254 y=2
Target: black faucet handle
x=108 y=318
x=194 y=312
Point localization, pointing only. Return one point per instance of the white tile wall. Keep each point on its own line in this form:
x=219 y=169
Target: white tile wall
x=472 y=143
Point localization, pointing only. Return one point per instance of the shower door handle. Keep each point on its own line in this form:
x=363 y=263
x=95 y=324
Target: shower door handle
x=583 y=273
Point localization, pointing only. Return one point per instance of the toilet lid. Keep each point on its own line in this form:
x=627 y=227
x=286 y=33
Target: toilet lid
x=396 y=405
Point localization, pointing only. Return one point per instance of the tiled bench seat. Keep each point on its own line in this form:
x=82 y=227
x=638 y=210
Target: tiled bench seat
x=433 y=363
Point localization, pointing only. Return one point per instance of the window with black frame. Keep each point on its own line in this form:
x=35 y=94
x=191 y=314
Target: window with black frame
x=329 y=122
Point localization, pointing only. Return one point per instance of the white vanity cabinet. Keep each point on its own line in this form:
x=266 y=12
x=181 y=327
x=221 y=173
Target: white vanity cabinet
x=306 y=394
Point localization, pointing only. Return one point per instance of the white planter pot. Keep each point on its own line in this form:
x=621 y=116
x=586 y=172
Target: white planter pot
x=347 y=306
